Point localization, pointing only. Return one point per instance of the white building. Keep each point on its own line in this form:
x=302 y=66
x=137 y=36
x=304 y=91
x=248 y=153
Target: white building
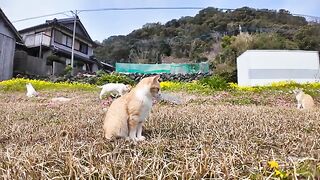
x=262 y=67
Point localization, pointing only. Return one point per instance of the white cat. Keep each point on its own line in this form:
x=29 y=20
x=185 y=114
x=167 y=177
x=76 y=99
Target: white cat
x=114 y=89
x=31 y=92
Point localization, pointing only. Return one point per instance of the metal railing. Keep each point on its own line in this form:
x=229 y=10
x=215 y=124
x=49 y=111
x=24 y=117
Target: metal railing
x=35 y=40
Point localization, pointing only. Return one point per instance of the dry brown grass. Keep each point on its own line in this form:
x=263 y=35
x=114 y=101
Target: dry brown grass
x=202 y=139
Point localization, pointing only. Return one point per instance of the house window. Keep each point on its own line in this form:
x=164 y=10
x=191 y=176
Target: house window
x=65 y=40
x=83 y=48
x=77 y=45
x=69 y=41
x=58 y=37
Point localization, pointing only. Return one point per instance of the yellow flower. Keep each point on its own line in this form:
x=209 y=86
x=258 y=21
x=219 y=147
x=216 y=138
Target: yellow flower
x=277 y=172
x=273 y=165
x=280 y=174
x=19 y=84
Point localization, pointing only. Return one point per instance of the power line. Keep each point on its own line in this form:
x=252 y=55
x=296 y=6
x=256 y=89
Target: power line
x=145 y=8
x=112 y=9
x=36 y=17
x=142 y=8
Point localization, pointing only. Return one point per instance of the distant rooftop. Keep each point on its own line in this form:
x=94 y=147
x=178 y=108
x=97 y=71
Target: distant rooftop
x=10 y=25
x=66 y=23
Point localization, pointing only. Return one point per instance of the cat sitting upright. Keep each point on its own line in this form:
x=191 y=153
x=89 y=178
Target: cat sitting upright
x=305 y=101
x=127 y=114
x=31 y=92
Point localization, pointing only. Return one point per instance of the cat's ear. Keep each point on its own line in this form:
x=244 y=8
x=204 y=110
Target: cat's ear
x=156 y=78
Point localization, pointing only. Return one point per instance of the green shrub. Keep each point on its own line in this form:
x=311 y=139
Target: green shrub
x=214 y=82
x=114 y=78
x=67 y=70
x=100 y=73
x=229 y=76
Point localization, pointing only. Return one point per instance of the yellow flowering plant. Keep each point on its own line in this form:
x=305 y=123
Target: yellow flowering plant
x=274 y=166
x=183 y=86
x=282 y=85
x=19 y=84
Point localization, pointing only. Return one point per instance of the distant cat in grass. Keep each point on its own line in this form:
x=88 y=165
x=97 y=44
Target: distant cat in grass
x=305 y=101
x=127 y=114
x=31 y=92
x=114 y=89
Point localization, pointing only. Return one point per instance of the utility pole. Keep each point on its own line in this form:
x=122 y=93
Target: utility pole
x=75 y=13
x=40 y=47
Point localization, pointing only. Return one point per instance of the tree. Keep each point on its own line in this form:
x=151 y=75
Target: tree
x=308 y=37
x=272 y=41
x=194 y=37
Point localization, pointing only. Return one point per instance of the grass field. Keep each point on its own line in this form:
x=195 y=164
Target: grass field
x=225 y=135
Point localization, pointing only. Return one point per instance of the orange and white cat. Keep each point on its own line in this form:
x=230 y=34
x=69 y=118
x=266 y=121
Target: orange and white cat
x=305 y=101
x=127 y=114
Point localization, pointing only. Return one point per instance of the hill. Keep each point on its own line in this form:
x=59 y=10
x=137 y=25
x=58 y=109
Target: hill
x=209 y=34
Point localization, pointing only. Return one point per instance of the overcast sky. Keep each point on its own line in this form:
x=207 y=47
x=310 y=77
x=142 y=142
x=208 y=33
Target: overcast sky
x=101 y=25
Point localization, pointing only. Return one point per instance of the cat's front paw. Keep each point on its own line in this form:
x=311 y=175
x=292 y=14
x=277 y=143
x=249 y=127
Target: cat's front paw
x=134 y=139
x=141 y=138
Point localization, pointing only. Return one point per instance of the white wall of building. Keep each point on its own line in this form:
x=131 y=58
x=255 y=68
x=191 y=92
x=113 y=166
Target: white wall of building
x=262 y=67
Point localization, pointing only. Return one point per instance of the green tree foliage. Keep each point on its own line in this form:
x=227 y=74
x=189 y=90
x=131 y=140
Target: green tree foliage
x=232 y=47
x=195 y=37
x=308 y=37
x=272 y=41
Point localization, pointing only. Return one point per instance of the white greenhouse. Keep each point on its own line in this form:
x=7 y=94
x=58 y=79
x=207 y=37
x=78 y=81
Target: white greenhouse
x=262 y=67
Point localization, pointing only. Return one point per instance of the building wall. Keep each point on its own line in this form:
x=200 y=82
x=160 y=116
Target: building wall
x=90 y=48
x=78 y=29
x=262 y=67
x=46 y=31
x=95 y=68
x=7 y=47
x=4 y=30
x=69 y=50
x=23 y=63
x=58 y=68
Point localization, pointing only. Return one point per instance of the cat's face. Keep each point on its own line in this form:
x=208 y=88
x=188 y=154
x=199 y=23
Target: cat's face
x=152 y=84
x=297 y=91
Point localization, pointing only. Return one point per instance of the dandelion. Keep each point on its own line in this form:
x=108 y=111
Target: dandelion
x=277 y=172
x=280 y=174
x=273 y=165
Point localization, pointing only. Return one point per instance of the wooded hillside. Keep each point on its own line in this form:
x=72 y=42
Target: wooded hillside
x=212 y=35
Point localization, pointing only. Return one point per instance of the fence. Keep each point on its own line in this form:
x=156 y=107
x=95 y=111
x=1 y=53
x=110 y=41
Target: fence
x=23 y=63
x=162 y=68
